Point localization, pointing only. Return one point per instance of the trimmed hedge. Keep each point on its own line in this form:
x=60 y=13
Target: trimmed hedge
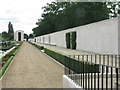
x=37 y=46
x=73 y=40
x=73 y=36
x=74 y=65
x=68 y=40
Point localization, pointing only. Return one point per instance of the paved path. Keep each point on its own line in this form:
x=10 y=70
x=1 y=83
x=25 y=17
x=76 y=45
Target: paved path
x=33 y=69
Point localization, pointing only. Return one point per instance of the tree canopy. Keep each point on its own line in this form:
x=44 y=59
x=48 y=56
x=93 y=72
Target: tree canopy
x=4 y=35
x=31 y=36
x=10 y=34
x=58 y=16
x=26 y=36
x=10 y=31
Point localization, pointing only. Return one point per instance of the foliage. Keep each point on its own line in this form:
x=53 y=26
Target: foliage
x=37 y=46
x=10 y=31
x=2 y=70
x=68 y=40
x=6 y=60
x=26 y=36
x=1 y=37
x=31 y=36
x=6 y=45
x=10 y=35
x=5 y=36
x=58 y=16
x=114 y=9
x=73 y=40
x=71 y=63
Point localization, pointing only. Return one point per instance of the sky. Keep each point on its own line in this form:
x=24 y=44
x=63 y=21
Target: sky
x=23 y=14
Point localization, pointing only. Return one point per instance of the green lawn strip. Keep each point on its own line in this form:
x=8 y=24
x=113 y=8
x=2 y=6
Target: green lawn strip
x=9 y=55
x=3 y=69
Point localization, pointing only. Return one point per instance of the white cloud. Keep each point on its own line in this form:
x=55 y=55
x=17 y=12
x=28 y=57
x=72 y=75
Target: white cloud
x=22 y=13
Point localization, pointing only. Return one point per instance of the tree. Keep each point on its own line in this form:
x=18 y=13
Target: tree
x=58 y=16
x=1 y=38
x=31 y=36
x=114 y=9
x=10 y=31
x=26 y=36
x=5 y=35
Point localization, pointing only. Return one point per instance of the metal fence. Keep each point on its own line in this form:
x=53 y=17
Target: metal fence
x=106 y=77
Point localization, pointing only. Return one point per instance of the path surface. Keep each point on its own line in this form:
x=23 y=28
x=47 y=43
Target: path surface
x=33 y=69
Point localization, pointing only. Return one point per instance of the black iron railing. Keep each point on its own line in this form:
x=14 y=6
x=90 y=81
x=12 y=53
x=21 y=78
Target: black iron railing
x=104 y=75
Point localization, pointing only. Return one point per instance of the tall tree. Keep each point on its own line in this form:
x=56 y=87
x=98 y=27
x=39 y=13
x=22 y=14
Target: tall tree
x=10 y=31
x=58 y=16
x=114 y=8
x=26 y=36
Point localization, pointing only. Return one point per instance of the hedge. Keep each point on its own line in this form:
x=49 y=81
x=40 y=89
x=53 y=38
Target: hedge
x=73 y=36
x=39 y=47
x=72 y=64
x=68 y=40
x=73 y=45
x=73 y=40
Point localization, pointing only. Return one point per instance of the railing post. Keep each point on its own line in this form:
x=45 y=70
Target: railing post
x=116 y=78
x=119 y=62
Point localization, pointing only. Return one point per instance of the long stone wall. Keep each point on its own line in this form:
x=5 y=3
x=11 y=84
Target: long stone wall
x=100 y=37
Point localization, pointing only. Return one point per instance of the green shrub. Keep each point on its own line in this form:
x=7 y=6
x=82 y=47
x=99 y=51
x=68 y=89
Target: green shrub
x=39 y=47
x=73 y=36
x=73 y=40
x=68 y=40
x=2 y=70
x=42 y=47
x=73 y=46
x=75 y=65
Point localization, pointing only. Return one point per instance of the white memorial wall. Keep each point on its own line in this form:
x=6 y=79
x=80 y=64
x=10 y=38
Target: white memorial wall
x=99 y=37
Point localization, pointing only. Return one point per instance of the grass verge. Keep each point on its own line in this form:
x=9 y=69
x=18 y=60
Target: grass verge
x=6 y=60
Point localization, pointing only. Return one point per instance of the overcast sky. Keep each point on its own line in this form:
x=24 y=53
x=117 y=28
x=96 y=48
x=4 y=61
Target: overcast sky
x=23 y=14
